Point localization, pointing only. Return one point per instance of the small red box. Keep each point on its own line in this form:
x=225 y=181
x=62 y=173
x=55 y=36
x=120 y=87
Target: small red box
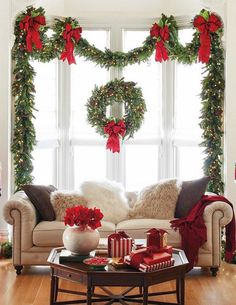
x=156 y=258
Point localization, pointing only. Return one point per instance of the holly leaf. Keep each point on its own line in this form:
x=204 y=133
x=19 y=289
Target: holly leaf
x=205 y=14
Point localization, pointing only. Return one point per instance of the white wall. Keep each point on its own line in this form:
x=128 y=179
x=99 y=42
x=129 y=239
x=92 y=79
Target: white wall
x=115 y=10
x=5 y=106
x=230 y=107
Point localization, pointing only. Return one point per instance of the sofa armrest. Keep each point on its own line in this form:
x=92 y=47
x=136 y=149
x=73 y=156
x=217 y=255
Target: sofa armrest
x=219 y=209
x=20 y=212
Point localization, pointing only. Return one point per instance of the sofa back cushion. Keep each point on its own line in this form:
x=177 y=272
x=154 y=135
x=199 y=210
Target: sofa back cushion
x=61 y=200
x=39 y=195
x=109 y=197
x=191 y=192
x=157 y=201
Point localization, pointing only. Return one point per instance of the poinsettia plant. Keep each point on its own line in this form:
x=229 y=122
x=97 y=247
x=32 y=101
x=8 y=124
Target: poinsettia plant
x=82 y=216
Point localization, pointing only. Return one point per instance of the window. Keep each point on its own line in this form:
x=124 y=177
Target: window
x=69 y=150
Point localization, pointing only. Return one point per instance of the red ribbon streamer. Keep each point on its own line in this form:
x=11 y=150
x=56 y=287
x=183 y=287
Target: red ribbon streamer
x=205 y=27
x=69 y=34
x=31 y=25
x=162 y=34
x=114 y=130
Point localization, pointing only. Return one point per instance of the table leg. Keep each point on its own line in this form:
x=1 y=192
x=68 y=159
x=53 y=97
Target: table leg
x=180 y=290
x=53 y=291
x=145 y=295
x=89 y=295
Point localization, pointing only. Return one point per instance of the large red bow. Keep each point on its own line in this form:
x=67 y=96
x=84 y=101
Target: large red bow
x=162 y=35
x=114 y=130
x=69 y=34
x=31 y=25
x=205 y=27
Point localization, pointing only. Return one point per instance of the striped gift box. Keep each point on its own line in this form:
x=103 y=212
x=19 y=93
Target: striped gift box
x=147 y=268
x=120 y=247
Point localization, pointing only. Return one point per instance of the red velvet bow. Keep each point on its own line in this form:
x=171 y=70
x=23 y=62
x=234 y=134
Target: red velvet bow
x=31 y=25
x=162 y=35
x=205 y=27
x=69 y=34
x=114 y=130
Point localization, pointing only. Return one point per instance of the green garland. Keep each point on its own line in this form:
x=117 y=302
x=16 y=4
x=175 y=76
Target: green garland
x=23 y=88
x=121 y=92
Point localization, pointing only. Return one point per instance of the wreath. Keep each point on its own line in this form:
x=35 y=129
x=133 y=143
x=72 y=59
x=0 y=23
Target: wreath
x=134 y=107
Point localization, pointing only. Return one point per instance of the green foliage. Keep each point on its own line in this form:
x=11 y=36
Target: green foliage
x=121 y=92
x=6 y=249
x=212 y=94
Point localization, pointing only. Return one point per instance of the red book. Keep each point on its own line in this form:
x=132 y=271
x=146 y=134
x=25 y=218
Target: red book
x=157 y=258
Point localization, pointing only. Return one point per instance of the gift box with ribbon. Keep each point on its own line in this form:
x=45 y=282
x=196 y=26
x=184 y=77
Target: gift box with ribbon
x=156 y=238
x=119 y=244
x=145 y=259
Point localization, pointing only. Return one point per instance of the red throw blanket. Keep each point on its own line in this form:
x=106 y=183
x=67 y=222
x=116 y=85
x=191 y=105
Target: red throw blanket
x=193 y=230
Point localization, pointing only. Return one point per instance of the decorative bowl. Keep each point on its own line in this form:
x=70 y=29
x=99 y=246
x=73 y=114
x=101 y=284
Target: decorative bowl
x=97 y=262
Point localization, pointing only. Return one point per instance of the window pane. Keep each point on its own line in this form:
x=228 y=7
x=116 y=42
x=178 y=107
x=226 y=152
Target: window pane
x=187 y=97
x=190 y=162
x=89 y=163
x=45 y=100
x=141 y=163
x=84 y=76
x=148 y=76
x=44 y=166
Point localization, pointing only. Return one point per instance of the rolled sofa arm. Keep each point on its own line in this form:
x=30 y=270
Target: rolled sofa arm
x=216 y=215
x=219 y=209
x=20 y=212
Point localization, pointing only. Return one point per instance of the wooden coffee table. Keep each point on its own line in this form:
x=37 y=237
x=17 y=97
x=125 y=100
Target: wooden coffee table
x=110 y=276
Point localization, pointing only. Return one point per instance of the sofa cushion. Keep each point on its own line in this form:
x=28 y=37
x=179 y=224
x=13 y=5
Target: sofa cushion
x=61 y=200
x=109 y=197
x=49 y=233
x=39 y=195
x=136 y=228
x=191 y=192
x=157 y=201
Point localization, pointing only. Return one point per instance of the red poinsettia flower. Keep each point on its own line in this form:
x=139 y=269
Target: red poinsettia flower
x=82 y=216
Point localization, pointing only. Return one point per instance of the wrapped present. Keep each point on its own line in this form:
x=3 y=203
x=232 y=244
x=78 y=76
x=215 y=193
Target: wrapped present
x=119 y=244
x=156 y=258
x=167 y=249
x=147 y=268
x=156 y=238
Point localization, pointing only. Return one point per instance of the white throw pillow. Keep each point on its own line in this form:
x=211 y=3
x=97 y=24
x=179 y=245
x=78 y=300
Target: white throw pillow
x=61 y=200
x=109 y=197
x=157 y=200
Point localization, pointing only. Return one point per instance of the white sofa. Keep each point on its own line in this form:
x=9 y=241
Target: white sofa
x=33 y=241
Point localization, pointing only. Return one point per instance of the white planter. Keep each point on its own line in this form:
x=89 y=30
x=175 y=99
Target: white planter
x=80 y=241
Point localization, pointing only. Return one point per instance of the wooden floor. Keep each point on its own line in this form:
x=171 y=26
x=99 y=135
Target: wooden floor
x=33 y=285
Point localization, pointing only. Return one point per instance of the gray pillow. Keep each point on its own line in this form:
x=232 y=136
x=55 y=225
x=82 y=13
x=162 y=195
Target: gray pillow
x=39 y=195
x=191 y=192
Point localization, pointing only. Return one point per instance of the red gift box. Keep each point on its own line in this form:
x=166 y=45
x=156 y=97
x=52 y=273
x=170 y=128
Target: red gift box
x=156 y=238
x=155 y=258
x=119 y=244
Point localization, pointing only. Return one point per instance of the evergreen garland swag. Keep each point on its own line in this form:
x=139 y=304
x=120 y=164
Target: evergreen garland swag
x=32 y=42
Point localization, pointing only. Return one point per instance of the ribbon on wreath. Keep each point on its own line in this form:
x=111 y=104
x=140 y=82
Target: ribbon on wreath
x=31 y=25
x=162 y=35
x=114 y=131
x=69 y=35
x=206 y=27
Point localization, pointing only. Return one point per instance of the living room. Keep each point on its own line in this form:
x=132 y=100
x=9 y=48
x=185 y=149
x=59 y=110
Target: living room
x=130 y=50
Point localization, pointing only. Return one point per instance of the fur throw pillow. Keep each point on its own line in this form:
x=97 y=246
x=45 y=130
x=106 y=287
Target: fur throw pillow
x=61 y=200
x=157 y=201
x=109 y=197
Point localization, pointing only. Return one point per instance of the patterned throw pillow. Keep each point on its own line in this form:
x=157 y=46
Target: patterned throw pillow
x=157 y=201
x=61 y=200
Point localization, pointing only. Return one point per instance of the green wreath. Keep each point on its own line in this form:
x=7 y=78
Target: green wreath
x=121 y=92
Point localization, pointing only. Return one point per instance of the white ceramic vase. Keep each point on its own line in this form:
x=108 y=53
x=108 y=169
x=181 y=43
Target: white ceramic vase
x=80 y=241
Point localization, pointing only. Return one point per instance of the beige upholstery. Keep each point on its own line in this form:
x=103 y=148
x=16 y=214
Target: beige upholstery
x=32 y=242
